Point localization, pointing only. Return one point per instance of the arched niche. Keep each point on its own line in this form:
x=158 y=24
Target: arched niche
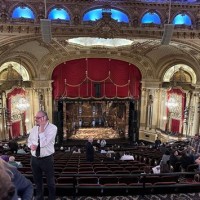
x=17 y=67
x=174 y=70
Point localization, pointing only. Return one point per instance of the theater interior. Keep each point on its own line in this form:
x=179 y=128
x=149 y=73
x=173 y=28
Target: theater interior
x=124 y=71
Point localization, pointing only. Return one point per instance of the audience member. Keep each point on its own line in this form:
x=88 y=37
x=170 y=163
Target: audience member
x=14 y=163
x=147 y=170
x=164 y=164
x=117 y=156
x=62 y=148
x=163 y=148
x=197 y=161
x=7 y=189
x=21 y=150
x=108 y=157
x=26 y=148
x=186 y=159
x=157 y=143
x=174 y=159
x=103 y=143
x=98 y=145
x=1 y=147
x=23 y=186
x=13 y=145
x=89 y=150
x=6 y=147
x=74 y=149
x=5 y=158
x=194 y=146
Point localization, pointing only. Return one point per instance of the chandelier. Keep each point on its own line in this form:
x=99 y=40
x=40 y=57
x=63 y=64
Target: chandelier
x=172 y=103
x=22 y=104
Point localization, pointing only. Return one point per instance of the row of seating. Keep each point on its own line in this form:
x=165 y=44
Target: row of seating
x=121 y=185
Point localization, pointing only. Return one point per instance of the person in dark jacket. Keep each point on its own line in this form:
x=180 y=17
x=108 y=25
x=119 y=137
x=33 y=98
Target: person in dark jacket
x=186 y=159
x=174 y=159
x=7 y=189
x=157 y=143
x=13 y=145
x=89 y=150
x=23 y=186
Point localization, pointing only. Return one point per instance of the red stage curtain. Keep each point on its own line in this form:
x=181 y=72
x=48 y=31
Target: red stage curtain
x=98 y=69
x=77 y=78
x=15 y=129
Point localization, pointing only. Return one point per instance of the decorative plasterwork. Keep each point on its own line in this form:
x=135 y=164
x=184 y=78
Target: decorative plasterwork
x=172 y=70
x=41 y=84
x=18 y=67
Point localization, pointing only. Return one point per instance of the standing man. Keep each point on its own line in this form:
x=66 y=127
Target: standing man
x=89 y=150
x=41 y=142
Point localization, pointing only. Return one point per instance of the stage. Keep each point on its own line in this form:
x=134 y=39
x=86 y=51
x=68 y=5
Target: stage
x=95 y=133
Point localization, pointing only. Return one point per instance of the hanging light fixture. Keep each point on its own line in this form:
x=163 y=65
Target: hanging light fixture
x=171 y=103
x=22 y=104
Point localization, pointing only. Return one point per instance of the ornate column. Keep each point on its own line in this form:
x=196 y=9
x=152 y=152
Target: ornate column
x=3 y=130
x=143 y=108
x=187 y=114
x=149 y=109
x=155 y=108
x=150 y=105
x=162 y=120
x=196 y=120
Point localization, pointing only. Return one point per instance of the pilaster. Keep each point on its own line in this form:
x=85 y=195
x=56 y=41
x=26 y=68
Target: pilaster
x=195 y=125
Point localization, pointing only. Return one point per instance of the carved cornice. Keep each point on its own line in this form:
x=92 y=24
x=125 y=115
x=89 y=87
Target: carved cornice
x=41 y=84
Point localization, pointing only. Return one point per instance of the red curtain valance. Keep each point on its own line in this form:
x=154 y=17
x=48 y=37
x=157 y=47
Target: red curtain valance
x=83 y=77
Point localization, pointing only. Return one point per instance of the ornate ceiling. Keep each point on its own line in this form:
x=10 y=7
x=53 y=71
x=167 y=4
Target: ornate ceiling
x=22 y=38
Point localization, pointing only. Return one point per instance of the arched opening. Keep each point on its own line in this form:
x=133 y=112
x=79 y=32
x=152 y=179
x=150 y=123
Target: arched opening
x=14 y=100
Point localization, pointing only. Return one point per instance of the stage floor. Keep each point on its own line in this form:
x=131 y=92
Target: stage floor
x=95 y=133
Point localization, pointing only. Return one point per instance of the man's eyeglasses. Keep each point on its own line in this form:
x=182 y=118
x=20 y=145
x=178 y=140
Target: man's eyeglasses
x=39 y=117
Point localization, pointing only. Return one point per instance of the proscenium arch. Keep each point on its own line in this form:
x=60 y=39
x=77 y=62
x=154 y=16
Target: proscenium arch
x=173 y=69
x=18 y=67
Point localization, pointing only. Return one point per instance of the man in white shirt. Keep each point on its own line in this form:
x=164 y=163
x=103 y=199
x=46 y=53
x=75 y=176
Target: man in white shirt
x=41 y=142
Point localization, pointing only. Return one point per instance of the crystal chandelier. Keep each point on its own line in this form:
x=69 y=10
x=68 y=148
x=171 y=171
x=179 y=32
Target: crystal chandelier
x=172 y=103
x=22 y=104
